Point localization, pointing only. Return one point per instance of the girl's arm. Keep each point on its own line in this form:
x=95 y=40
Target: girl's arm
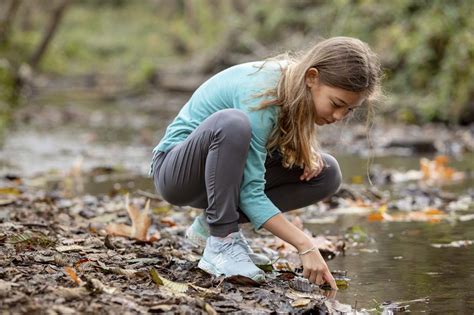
x=315 y=268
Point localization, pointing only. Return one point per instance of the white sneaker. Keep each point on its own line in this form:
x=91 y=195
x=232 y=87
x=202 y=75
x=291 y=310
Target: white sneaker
x=228 y=256
x=198 y=233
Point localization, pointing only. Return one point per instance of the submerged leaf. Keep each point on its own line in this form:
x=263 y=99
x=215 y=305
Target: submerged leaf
x=455 y=244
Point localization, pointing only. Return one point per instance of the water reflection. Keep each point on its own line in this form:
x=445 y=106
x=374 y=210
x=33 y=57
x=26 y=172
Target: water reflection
x=407 y=267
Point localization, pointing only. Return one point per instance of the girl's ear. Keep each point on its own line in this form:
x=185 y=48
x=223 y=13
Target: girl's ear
x=312 y=77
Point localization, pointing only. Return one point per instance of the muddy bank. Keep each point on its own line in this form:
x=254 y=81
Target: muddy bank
x=57 y=258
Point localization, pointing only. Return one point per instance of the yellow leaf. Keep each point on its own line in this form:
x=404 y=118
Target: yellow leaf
x=357 y=179
x=173 y=286
x=10 y=191
x=383 y=208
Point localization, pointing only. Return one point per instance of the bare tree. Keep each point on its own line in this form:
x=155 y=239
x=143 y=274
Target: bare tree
x=7 y=20
x=56 y=17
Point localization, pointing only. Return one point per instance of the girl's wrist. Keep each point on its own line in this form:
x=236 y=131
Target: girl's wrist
x=304 y=244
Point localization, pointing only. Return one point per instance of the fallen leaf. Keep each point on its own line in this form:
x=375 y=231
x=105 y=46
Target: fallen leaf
x=266 y=268
x=69 y=248
x=10 y=191
x=433 y=211
x=73 y=275
x=96 y=286
x=209 y=309
x=206 y=291
x=295 y=295
x=375 y=217
x=35 y=238
x=335 y=307
x=242 y=280
x=437 y=170
x=300 y=302
x=302 y=285
x=173 y=286
x=168 y=221
x=161 y=308
x=6 y=201
x=117 y=270
x=5 y=288
x=141 y=222
x=71 y=293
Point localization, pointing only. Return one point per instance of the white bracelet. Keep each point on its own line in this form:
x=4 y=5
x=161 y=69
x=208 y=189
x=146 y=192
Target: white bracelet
x=312 y=249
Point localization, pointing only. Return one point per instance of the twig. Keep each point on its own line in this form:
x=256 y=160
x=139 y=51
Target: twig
x=148 y=195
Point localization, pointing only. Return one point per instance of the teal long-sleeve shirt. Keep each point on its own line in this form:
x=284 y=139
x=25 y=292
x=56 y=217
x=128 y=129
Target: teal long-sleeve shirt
x=236 y=87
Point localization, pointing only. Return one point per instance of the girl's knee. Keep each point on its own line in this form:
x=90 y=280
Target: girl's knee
x=332 y=173
x=235 y=122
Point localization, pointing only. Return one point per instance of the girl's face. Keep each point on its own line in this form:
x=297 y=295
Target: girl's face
x=331 y=104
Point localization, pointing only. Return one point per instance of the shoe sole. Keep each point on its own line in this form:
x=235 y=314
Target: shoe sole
x=210 y=269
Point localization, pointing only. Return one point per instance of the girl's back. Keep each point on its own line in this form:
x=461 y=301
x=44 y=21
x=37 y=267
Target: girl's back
x=235 y=87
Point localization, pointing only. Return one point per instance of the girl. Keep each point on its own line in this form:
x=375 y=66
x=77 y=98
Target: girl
x=244 y=149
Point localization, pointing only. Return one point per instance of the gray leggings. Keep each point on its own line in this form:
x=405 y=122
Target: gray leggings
x=205 y=171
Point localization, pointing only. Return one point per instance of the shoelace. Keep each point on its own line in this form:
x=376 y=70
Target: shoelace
x=237 y=249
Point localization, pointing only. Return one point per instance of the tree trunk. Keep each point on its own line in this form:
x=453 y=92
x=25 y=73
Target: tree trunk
x=7 y=20
x=49 y=33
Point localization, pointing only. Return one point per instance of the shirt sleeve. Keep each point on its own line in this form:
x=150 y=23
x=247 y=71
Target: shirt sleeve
x=253 y=200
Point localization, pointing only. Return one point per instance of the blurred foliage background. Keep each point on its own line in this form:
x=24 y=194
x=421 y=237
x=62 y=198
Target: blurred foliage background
x=426 y=47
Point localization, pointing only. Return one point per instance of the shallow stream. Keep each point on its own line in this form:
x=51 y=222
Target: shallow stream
x=400 y=264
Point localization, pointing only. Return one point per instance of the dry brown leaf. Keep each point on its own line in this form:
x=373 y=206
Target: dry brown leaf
x=71 y=293
x=95 y=285
x=209 y=309
x=168 y=221
x=438 y=171
x=242 y=280
x=73 y=275
x=69 y=248
x=300 y=302
x=141 y=222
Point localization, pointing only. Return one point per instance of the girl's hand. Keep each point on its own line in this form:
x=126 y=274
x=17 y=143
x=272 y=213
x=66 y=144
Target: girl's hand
x=316 y=270
x=310 y=173
x=314 y=266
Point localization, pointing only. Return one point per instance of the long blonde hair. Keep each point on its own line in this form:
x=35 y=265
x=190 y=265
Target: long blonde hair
x=342 y=62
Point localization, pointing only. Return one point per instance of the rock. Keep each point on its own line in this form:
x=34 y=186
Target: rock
x=418 y=145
